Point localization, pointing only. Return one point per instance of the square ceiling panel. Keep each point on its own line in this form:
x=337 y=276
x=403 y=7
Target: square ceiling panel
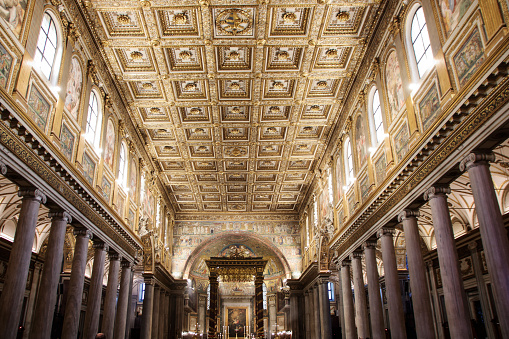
x=235 y=89
x=135 y=59
x=289 y=21
x=283 y=59
x=234 y=58
x=185 y=59
x=190 y=90
x=123 y=23
x=235 y=113
x=343 y=20
x=178 y=22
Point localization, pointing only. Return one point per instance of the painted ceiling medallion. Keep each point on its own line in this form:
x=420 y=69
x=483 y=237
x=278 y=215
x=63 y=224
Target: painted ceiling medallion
x=315 y=108
x=283 y=55
x=195 y=111
x=235 y=110
x=289 y=17
x=236 y=151
x=321 y=84
x=234 y=21
x=155 y=110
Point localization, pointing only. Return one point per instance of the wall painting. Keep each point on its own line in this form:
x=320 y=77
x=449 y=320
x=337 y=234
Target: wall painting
x=341 y=217
x=39 y=108
x=324 y=202
x=394 y=84
x=360 y=141
x=381 y=168
x=13 y=13
x=429 y=106
x=72 y=98
x=338 y=192
x=88 y=168
x=109 y=145
x=351 y=203
x=106 y=188
x=364 y=184
x=236 y=321
x=452 y=12
x=66 y=142
x=401 y=142
x=133 y=180
x=469 y=57
x=131 y=219
x=120 y=205
x=5 y=66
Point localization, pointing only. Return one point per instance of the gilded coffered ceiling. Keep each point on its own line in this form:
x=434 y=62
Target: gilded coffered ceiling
x=236 y=99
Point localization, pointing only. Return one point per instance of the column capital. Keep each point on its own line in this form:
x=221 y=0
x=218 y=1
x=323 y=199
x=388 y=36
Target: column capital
x=408 y=214
x=475 y=159
x=357 y=254
x=113 y=255
x=370 y=243
x=125 y=264
x=386 y=231
x=472 y=246
x=346 y=262
x=32 y=193
x=149 y=280
x=82 y=232
x=435 y=191
x=60 y=215
x=99 y=244
x=3 y=167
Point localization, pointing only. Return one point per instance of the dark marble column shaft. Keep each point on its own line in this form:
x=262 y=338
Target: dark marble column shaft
x=110 y=298
x=123 y=301
x=148 y=309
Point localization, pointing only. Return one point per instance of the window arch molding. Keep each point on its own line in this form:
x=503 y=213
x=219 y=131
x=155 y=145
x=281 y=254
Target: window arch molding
x=49 y=48
x=409 y=46
x=376 y=116
x=94 y=119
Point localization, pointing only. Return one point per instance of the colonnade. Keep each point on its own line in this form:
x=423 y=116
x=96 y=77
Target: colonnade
x=11 y=300
x=496 y=247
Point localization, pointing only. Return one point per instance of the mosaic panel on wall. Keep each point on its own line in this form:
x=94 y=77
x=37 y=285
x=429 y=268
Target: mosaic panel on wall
x=39 y=108
x=66 y=142
x=5 y=66
x=360 y=141
x=73 y=92
x=401 y=141
x=429 y=106
x=453 y=12
x=13 y=12
x=469 y=57
x=109 y=145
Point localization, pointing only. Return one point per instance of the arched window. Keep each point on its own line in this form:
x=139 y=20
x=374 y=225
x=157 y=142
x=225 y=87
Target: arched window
x=47 y=44
x=376 y=110
x=93 y=130
x=421 y=43
x=122 y=166
x=349 y=162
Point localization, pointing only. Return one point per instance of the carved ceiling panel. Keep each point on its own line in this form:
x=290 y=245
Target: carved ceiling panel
x=236 y=99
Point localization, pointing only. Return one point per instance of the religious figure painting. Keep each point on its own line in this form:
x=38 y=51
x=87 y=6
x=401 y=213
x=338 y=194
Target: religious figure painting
x=351 y=203
x=381 y=168
x=341 y=216
x=360 y=141
x=88 y=168
x=469 y=57
x=39 y=108
x=401 y=142
x=148 y=204
x=13 y=12
x=452 y=12
x=106 y=188
x=5 y=66
x=394 y=83
x=429 y=106
x=133 y=180
x=131 y=219
x=324 y=203
x=364 y=184
x=339 y=188
x=72 y=98
x=236 y=321
x=120 y=205
x=109 y=146
x=66 y=142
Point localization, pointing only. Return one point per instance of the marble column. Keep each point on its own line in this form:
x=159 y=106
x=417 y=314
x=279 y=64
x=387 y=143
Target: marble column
x=47 y=296
x=95 y=291
x=259 y=306
x=162 y=307
x=214 y=284
x=481 y=288
x=325 y=320
x=339 y=296
x=435 y=301
x=492 y=229
x=75 y=294
x=148 y=308
x=123 y=301
x=375 y=300
x=202 y=311
x=316 y=304
x=16 y=276
x=34 y=292
x=110 y=299
x=346 y=286
x=294 y=316
x=155 y=312
x=417 y=269
x=361 y=309
x=307 y=312
x=392 y=285
x=455 y=297
x=131 y=307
